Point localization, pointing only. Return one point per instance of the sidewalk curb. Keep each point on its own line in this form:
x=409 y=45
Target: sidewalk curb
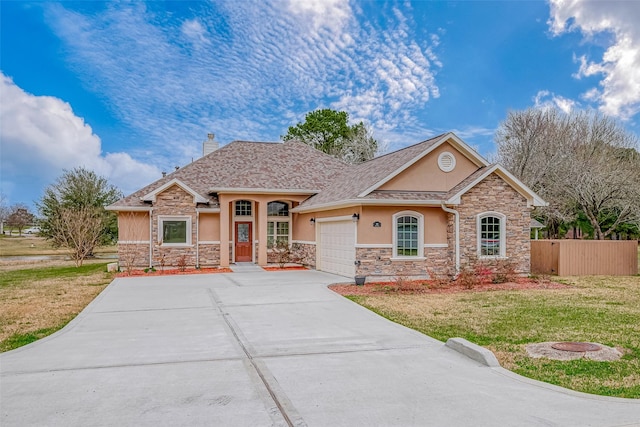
x=473 y=351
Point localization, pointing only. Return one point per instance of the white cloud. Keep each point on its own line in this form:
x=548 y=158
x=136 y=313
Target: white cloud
x=619 y=91
x=331 y=14
x=195 y=31
x=41 y=136
x=546 y=99
x=261 y=61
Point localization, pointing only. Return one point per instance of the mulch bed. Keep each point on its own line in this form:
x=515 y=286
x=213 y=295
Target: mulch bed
x=431 y=287
x=291 y=267
x=173 y=272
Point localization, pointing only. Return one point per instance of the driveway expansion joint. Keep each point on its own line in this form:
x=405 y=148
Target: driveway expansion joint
x=285 y=407
x=121 y=365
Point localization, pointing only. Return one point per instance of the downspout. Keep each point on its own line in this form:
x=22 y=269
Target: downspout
x=457 y=231
x=197 y=238
x=151 y=238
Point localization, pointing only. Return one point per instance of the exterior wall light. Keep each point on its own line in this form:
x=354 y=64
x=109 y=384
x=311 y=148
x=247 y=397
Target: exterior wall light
x=312 y=221
x=377 y=224
x=355 y=217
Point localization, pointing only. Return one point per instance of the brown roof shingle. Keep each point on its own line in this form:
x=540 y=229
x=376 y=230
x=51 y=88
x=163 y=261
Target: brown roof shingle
x=253 y=165
x=353 y=181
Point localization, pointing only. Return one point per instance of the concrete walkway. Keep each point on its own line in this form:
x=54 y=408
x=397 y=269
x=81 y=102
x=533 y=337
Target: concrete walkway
x=266 y=348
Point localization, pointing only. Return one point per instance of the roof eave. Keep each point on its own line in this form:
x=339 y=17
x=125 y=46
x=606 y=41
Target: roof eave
x=533 y=200
x=364 y=202
x=197 y=197
x=128 y=208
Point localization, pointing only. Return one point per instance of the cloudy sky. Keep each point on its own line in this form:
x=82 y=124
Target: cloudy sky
x=130 y=89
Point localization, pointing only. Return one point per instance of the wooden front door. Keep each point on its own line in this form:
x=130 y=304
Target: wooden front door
x=243 y=242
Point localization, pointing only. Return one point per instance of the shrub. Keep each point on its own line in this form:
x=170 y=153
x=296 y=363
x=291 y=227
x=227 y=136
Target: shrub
x=182 y=262
x=467 y=277
x=504 y=271
x=282 y=251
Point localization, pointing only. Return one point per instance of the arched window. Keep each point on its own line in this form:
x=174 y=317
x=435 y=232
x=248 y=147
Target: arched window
x=277 y=209
x=408 y=232
x=491 y=235
x=278 y=223
x=243 y=208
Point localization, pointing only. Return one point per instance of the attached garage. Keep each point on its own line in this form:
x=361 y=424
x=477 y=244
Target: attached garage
x=336 y=246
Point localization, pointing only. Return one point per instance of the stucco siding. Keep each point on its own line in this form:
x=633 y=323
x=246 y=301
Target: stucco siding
x=425 y=175
x=435 y=224
x=133 y=226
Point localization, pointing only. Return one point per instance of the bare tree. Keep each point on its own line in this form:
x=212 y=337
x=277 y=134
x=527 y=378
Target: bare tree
x=78 y=229
x=20 y=217
x=579 y=162
x=360 y=145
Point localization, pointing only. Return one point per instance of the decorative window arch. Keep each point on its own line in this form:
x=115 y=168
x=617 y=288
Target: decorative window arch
x=492 y=236
x=278 y=223
x=277 y=208
x=408 y=235
x=243 y=208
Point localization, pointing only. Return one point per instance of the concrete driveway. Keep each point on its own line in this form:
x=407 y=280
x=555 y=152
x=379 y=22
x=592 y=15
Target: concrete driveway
x=266 y=348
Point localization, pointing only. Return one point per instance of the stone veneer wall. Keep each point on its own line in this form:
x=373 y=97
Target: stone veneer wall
x=174 y=201
x=138 y=253
x=304 y=253
x=377 y=262
x=209 y=254
x=494 y=194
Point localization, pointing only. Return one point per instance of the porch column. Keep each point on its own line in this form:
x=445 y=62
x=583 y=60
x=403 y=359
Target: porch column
x=262 y=234
x=224 y=232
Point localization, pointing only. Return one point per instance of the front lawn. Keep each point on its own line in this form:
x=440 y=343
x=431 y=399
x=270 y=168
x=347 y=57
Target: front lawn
x=593 y=309
x=30 y=245
x=36 y=302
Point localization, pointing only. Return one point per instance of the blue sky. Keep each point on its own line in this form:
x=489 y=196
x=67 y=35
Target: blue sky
x=130 y=89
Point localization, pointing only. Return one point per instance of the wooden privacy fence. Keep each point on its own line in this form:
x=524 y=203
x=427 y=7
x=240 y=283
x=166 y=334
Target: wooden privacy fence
x=584 y=257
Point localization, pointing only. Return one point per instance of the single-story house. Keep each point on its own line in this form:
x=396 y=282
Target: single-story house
x=423 y=210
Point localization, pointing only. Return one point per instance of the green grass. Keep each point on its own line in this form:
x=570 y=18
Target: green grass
x=17 y=277
x=36 y=302
x=594 y=309
x=19 y=339
x=32 y=245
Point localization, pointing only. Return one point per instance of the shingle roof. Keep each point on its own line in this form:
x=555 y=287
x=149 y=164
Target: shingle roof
x=358 y=178
x=251 y=165
x=294 y=166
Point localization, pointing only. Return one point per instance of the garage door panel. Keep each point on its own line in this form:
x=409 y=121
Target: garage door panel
x=337 y=247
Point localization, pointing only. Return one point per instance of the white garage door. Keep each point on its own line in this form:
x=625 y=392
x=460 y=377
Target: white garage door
x=337 y=250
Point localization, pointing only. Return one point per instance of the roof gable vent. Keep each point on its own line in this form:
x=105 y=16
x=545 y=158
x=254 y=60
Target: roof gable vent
x=446 y=161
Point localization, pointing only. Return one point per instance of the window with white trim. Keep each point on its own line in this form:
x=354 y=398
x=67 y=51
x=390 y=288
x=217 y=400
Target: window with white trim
x=174 y=230
x=277 y=223
x=277 y=231
x=408 y=232
x=243 y=208
x=491 y=235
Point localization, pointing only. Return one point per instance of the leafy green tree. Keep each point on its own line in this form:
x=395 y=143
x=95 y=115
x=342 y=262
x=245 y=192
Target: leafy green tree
x=76 y=200
x=329 y=131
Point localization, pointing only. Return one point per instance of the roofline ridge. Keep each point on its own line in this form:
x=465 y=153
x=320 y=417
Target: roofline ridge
x=405 y=148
